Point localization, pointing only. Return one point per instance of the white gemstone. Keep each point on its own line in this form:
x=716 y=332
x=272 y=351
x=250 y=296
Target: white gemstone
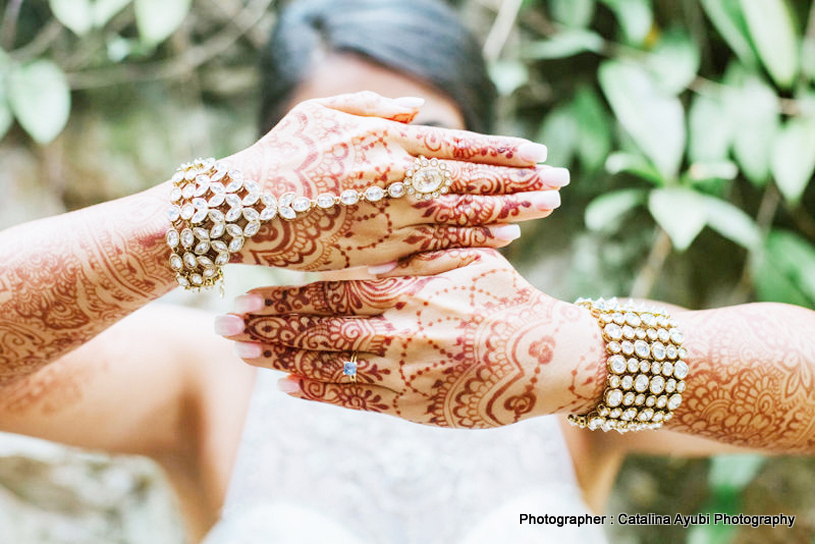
x=671 y=352
x=652 y=334
x=175 y=194
x=658 y=351
x=287 y=213
x=190 y=174
x=627 y=347
x=614 y=397
x=251 y=214
x=219 y=173
x=182 y=281
x=251 y=229
x=645 y=366
x=177 y=177
x=233 y=201
x=662 y=321
x=286 y=199
x=235 y=174
x=616 y=363
x=641 y=334
x=681 y=370
x=618 y=318
x=201 y=234
x=615 y=413
x=268 y=213
x=397 y=189
x=250 y=199
x=656 y=367
x=674 y=401
x=234 y=230
x=234 y=186
x=677 y=337
x=650 y=400
x=349 y=197
x=217 y=230
x=301 y=204
x=202 y=247
x=427 y=180
x=205 y=262
x=627 y=382
x=613 y=381
x=633 y=365
x=683 y=353
x=219 y=246
x=613 y=331
x=216 y=216
x=199 y=203
x=667 y=369
x=646 y=415
x=641 y=383
x=210 y=272
x=657 y=385
x=233 y=214
x=639 y=400
x=641 y=349
x=629 y=414
x=268 y=200
x=663 y=335
x=613 y=347
x=251 y=186
x=648 y=319
x=374 y=193
x=222 y=259
x=680 y=387
x=190 y=261
x=236 y=244
x=325 y=201
x=188 y=191
x=199 y=215
x=217 y=189
x=633 y=319
x=662 y=401
x=187 y=238
x=628 y=399
x=657 y=416
x=172 y=238
x=187 y=211
x=629 y=332
x=196 y=279
x=670 y=385
x=175 y=262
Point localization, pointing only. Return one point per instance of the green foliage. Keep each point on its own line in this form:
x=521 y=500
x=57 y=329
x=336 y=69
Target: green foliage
x=157 y=19
x=40 y=98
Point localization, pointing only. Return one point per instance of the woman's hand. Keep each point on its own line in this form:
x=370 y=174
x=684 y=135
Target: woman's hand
x=473 y=347
x=358 y=140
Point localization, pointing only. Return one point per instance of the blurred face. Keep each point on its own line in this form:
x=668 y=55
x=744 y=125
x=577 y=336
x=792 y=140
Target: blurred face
x=345 y=73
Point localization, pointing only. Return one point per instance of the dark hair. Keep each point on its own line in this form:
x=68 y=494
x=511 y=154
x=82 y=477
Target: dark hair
x=422 y=38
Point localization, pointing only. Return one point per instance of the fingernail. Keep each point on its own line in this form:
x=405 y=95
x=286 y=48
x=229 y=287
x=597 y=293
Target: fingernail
x=506 y=233
x=228 y=325
x=411 y=102
x=544 y=200
x=288 y=384
x=247 y=350
x=382 y=268
x=556 y=177
x=532 y=152
x=246 y=304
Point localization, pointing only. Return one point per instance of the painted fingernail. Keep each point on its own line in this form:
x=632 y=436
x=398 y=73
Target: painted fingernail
x=288 y=384
x=382 y=268
x=228 y=325
x=532 y=152
x=248 y=350
x=506 y=233
x=246 y=304
x=545 y=200
x=556 y=177
x=411 y=102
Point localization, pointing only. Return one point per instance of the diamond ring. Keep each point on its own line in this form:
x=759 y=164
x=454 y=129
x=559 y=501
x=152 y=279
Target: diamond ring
x=349 y=368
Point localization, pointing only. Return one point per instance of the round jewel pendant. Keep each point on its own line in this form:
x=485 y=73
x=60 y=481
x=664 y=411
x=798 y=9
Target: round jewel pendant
x=428 y=178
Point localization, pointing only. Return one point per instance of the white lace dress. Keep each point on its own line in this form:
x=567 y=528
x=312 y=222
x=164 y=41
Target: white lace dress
x=310 y=473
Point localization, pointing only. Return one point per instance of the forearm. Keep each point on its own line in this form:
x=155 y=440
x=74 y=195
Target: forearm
x=752 y=378
x=64 y=279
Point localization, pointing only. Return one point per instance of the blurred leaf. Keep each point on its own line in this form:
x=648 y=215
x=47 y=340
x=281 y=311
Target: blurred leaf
x=674 y=61
x=808 y=57
x=594 y=127
x=565 y=44
x=157 y=19
x=786 y=270
x=40 y=99
x=6 y=117
x=727 y=18
x=573 y=13
x=74 y=14
x=508 y=75
x=774 y=36
x=654 y=119
x=635 y=18
x=753 y=111
x=560 y=133
x=104 y=10
x=734 y=472
x=709 y=128
x=712 y=170
x=732 y=223
x=680 y=212
x=604 y=211
x=793 y=157
x=634 y=164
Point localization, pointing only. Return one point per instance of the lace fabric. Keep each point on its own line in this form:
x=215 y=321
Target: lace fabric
x=308 y=471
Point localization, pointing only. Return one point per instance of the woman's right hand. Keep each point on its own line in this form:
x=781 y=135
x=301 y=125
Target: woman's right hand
x=358 y=140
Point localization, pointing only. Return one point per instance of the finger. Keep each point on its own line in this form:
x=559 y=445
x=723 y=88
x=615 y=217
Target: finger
x=434 y=236
x=324 y=366
x=369 y=398
x=489 y=179
x=463 y=145
x=429 y=263
x=327 y=298
x=320 y=333
x=371 y=104
x=472 y=210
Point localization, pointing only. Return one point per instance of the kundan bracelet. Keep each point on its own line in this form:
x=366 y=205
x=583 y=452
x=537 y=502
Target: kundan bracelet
x=213 y=211
x=646 y=368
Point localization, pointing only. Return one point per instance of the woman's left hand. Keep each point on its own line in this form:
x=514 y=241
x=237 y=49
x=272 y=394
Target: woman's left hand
x=473 y=347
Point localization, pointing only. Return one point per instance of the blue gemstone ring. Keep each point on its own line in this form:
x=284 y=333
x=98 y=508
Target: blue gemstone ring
x=349 y=368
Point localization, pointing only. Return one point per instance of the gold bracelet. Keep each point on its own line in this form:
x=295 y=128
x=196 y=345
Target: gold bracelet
x=646 y=368
x=213 y=211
